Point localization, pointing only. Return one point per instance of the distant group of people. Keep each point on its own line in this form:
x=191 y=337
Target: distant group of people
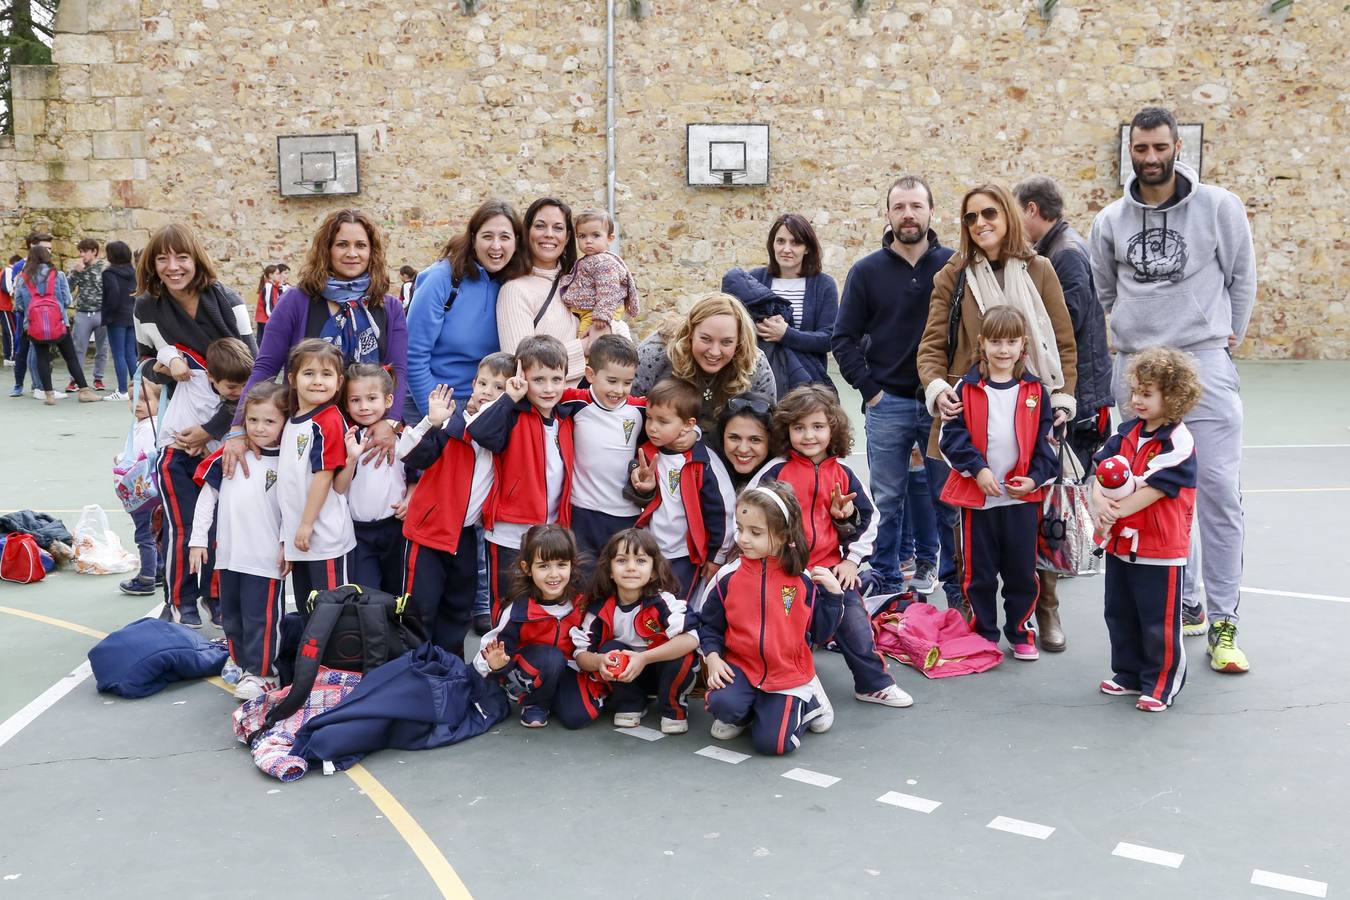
x=659 y=498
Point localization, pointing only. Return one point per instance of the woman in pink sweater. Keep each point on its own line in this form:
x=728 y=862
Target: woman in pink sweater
x=530 y=305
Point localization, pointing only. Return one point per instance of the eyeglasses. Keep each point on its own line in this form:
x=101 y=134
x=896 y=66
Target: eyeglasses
x=744 y=402
x=989 y=214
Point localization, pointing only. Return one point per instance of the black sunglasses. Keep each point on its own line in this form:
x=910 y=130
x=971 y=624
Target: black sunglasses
x=740 y=404
x=989 y=214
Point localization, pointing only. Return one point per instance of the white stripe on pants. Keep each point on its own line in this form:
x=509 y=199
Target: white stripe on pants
x=1216 y=425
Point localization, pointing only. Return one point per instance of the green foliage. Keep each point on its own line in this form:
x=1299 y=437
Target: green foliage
x=25 y=40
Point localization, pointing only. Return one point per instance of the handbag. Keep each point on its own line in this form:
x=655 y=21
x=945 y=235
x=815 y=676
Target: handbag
x=134 y=473
x=1065 y=543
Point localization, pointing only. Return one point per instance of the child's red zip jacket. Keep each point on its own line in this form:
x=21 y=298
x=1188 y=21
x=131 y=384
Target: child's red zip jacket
x=813 y=484
x=763 y=620
x=514 y=432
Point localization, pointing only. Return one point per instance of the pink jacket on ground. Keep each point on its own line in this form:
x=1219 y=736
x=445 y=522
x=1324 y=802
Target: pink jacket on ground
x=937 y=642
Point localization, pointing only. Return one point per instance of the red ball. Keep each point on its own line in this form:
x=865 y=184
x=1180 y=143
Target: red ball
x=616 y=663
x=1113 y=472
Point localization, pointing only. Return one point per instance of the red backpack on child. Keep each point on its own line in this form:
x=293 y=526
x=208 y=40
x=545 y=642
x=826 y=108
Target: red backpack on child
x=45 y=319
x=21 y=561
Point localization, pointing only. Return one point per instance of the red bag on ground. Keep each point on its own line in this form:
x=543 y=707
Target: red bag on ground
x=21 y=561
x=937 y=642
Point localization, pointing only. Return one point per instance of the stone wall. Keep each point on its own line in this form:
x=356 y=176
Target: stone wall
x=171 y=108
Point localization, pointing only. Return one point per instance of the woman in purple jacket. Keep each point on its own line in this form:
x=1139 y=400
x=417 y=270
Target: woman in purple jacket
x=342 y=297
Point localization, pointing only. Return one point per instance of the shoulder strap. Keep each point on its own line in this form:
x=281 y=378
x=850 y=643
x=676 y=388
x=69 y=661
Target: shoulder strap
x=548 y=301
x=312 y=645
x=954 y=316
x=454 y=292
x=370 y=612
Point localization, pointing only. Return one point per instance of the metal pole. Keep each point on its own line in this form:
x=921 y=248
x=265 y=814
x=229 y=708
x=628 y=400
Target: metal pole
x=609 y=116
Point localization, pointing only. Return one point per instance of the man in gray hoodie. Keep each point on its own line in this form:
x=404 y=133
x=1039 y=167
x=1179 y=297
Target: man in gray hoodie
x=1174 y=265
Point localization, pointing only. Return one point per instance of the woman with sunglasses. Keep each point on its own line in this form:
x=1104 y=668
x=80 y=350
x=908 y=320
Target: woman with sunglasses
x=996 y=266
x=452 y=319
x=743 y=436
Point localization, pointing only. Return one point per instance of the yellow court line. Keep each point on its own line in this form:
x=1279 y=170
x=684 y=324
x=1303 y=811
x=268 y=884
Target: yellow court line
x=48 y=620
x=423 y=847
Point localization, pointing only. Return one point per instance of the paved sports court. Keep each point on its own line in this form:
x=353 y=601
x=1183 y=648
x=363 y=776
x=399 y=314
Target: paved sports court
x=1023 y=782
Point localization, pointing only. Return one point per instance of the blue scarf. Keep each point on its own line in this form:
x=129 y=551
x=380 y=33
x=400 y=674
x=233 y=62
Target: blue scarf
x=351 y=329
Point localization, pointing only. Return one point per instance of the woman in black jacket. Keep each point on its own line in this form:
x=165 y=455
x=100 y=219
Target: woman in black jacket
x=119 y=291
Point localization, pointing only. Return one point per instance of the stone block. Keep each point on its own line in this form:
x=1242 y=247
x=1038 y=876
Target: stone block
x=158 y=28
x=126 y=46
x=113 y=169
x=89 y=116
x=48 y=194
x=114 y=15
x=115 y=80
x=30 y=116
x=72 y=16
x=128 y=113
x=35 y=82
x=81 y=49
x=119 y=145
x=91 y=193
x=74 y=81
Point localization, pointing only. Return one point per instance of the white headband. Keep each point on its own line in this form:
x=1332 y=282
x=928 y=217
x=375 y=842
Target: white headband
x=776 y=499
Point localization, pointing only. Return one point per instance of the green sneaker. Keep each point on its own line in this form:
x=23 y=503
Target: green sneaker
x=1224 y=653
x=1193 y=621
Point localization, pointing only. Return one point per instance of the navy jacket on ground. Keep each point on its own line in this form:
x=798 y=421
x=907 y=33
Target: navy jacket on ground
x=426 y=698
x=140 y=659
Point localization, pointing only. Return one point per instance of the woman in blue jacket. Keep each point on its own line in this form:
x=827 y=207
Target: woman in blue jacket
x=452 y=322
x=810 y=300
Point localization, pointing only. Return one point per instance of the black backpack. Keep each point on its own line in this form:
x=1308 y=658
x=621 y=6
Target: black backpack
x=352 y=628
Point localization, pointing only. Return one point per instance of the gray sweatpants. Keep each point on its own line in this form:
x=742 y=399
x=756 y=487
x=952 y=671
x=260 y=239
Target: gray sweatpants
x=1216 y=426
x=87 y=323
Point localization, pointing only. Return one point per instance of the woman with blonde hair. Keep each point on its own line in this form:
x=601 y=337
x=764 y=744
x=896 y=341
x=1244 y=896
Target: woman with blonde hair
x=996 y=266
x=714 y=348
x=343 y=298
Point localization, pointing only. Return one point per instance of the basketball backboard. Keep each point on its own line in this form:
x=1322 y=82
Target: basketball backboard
x=728 y=154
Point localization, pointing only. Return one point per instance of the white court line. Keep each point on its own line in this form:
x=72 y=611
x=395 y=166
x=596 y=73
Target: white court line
x=1149 y=855
x=1307 y=887
x=43 y=702
x=52 y=695
x=806 y=776
x=1331 y=597
x=641 y=732
x=908 y=801
x=721 y=755
x=1292 y=446
x=1025 y=829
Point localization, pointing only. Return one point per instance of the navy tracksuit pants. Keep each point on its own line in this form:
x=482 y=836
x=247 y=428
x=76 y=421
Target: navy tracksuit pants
x=593 y=530
x=1143 y=619
x=310 y=575
x=251 y=608
x=687 y=574
x=501 y=572
x=776 y=721
x=442 y=587
x=538 y=675
x=377 y=559
x=668 y=681
x=1001 y=543
x=178 y=493
x=856 y=641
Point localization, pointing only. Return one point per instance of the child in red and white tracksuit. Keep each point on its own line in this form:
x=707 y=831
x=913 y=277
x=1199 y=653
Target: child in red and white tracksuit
x=1149 y=531
x=1000 y=453
x=757 y=622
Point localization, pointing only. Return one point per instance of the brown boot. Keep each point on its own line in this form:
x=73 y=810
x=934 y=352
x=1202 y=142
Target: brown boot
x=50 y=398
x=88 y=395
x=1047 y=614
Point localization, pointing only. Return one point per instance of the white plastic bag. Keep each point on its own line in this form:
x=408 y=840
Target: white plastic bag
x=98 y=551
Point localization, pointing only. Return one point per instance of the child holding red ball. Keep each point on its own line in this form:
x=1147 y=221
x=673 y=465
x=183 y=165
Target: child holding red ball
x=1149 y=530
x=636 y=635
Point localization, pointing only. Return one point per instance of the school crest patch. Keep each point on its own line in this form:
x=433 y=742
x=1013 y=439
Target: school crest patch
x=628 y=426
x=673 y=480
x=269 y=479
x=648 y=627
x=301 y=442
x=789 y=598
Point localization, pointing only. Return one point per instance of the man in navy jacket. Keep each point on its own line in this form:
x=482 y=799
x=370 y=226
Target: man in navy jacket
x=882 y=315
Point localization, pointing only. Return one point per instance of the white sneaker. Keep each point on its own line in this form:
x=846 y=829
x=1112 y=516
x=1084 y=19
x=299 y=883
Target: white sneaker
x=890 y=695
x=674 y=726
x=627 y=719
x=825 y=714
x=251 y=686
x=9 y=362
x=115 y=395
x=723 y=732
